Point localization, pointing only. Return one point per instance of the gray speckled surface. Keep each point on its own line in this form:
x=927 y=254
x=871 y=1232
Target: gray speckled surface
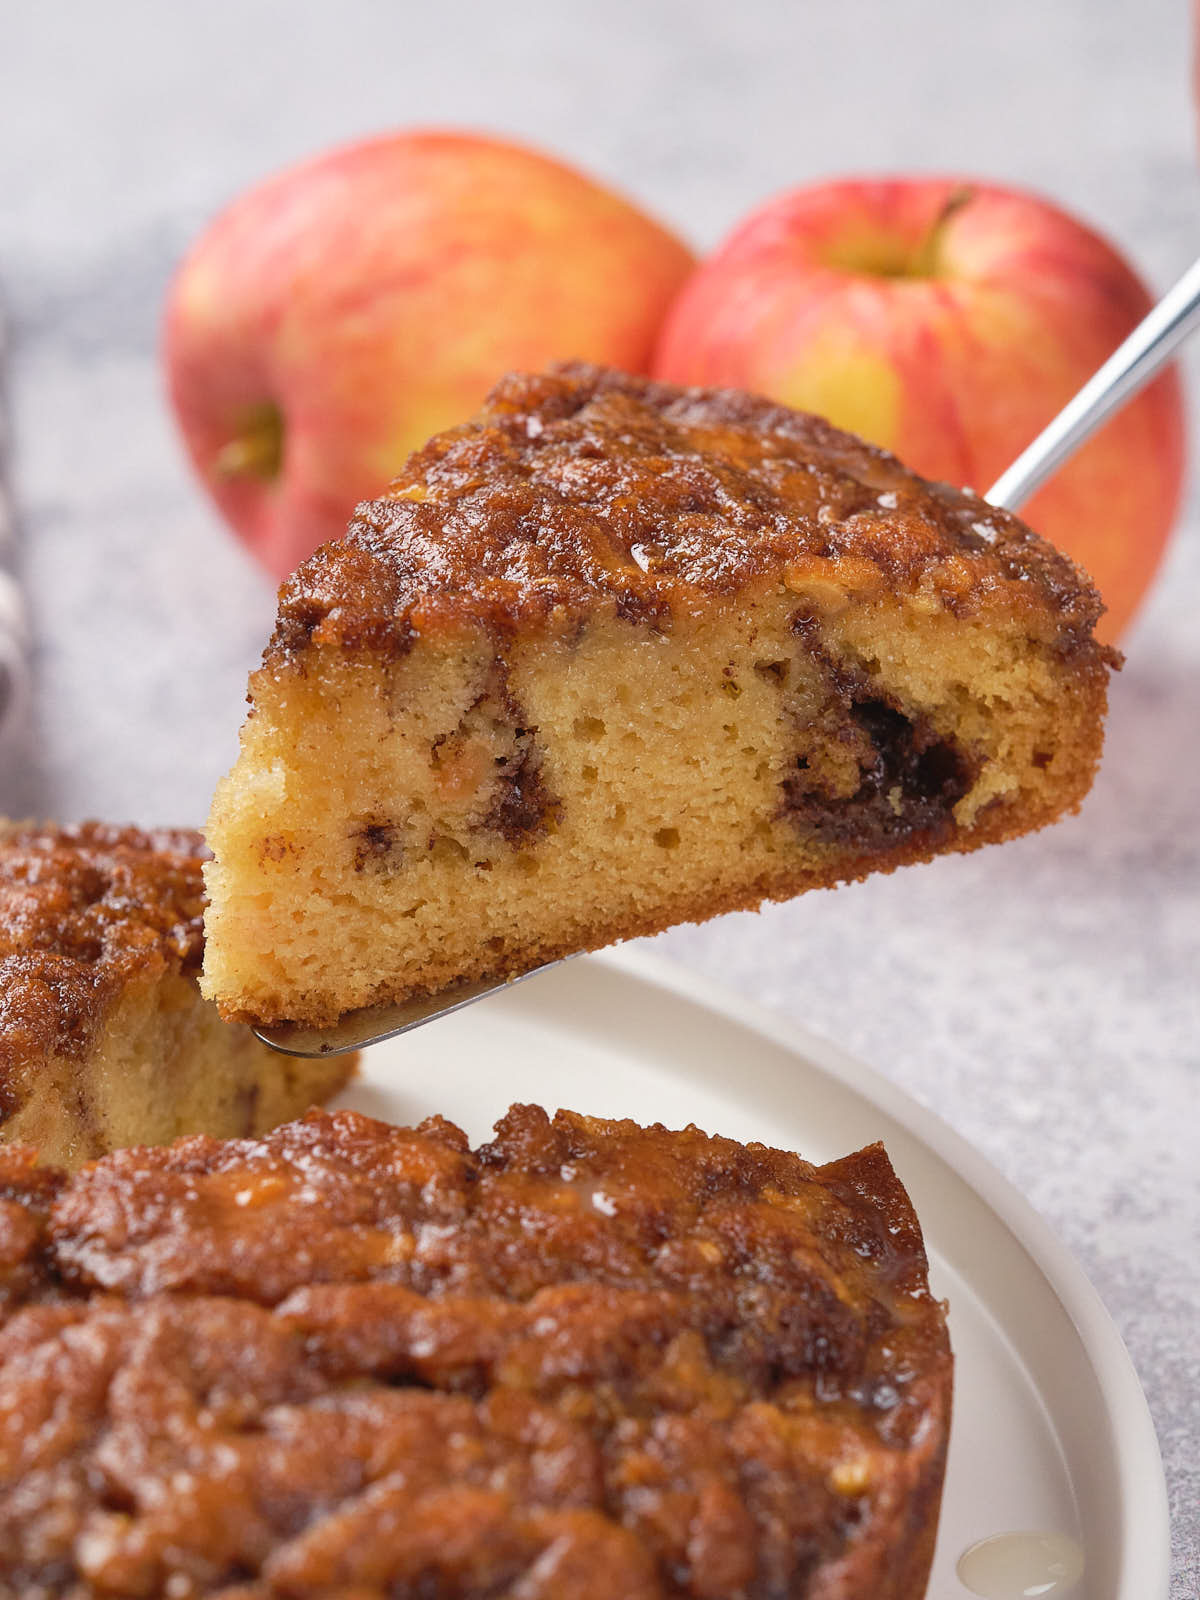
x=1042 y=997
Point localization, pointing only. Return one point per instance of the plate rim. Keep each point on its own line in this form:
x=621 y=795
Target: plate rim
x=1137 y=1458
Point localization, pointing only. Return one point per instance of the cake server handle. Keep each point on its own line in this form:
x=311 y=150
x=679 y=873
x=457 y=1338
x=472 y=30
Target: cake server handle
x=1150 y=346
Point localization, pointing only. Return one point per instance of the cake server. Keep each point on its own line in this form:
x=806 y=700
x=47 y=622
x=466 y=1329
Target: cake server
x=1151 y=344
x=1132 y=364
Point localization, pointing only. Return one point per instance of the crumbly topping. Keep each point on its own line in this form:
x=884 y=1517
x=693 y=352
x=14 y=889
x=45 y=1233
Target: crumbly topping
x=582 y=492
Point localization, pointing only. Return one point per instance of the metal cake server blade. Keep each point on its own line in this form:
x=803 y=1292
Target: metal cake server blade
x=1147 y=349
x=373 y=1024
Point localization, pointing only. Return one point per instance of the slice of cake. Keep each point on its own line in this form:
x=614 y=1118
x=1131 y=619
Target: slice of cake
x=105 y=1040
x=616 y=655
x=588 y=1361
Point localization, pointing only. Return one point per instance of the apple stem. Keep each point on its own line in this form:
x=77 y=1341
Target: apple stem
x=256 y=450
x=926 y=262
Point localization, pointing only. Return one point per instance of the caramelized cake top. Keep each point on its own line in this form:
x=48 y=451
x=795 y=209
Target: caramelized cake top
x=83 y=909
x=583 y=491
x=583 y=1360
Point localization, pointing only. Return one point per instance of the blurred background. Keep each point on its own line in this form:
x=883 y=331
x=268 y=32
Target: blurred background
x=1042 y=997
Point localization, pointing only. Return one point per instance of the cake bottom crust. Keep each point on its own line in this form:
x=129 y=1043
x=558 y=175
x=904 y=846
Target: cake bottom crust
x=321 y=1008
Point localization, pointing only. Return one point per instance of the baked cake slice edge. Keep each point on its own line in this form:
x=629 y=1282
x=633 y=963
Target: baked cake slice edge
x=617 y=655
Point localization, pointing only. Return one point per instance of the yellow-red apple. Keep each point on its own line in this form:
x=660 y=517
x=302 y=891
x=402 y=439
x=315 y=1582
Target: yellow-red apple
x=333 y=318
x=948 y=321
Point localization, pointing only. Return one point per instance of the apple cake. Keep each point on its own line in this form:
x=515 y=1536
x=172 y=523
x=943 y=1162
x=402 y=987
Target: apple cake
x=616 y=655
x=105 y=1039
x=587 y=1361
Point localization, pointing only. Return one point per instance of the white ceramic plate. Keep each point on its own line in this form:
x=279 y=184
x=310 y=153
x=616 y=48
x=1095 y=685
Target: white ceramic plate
x=1051 y=1431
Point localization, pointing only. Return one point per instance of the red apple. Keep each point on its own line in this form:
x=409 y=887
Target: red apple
x=948 y=321
x=335 y=317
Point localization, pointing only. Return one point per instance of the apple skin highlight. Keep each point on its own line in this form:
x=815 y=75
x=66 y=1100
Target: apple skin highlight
x=370 y=297
x=948 y=321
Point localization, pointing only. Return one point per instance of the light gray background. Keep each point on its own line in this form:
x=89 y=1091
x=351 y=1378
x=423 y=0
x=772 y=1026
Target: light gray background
x=1042 y=997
